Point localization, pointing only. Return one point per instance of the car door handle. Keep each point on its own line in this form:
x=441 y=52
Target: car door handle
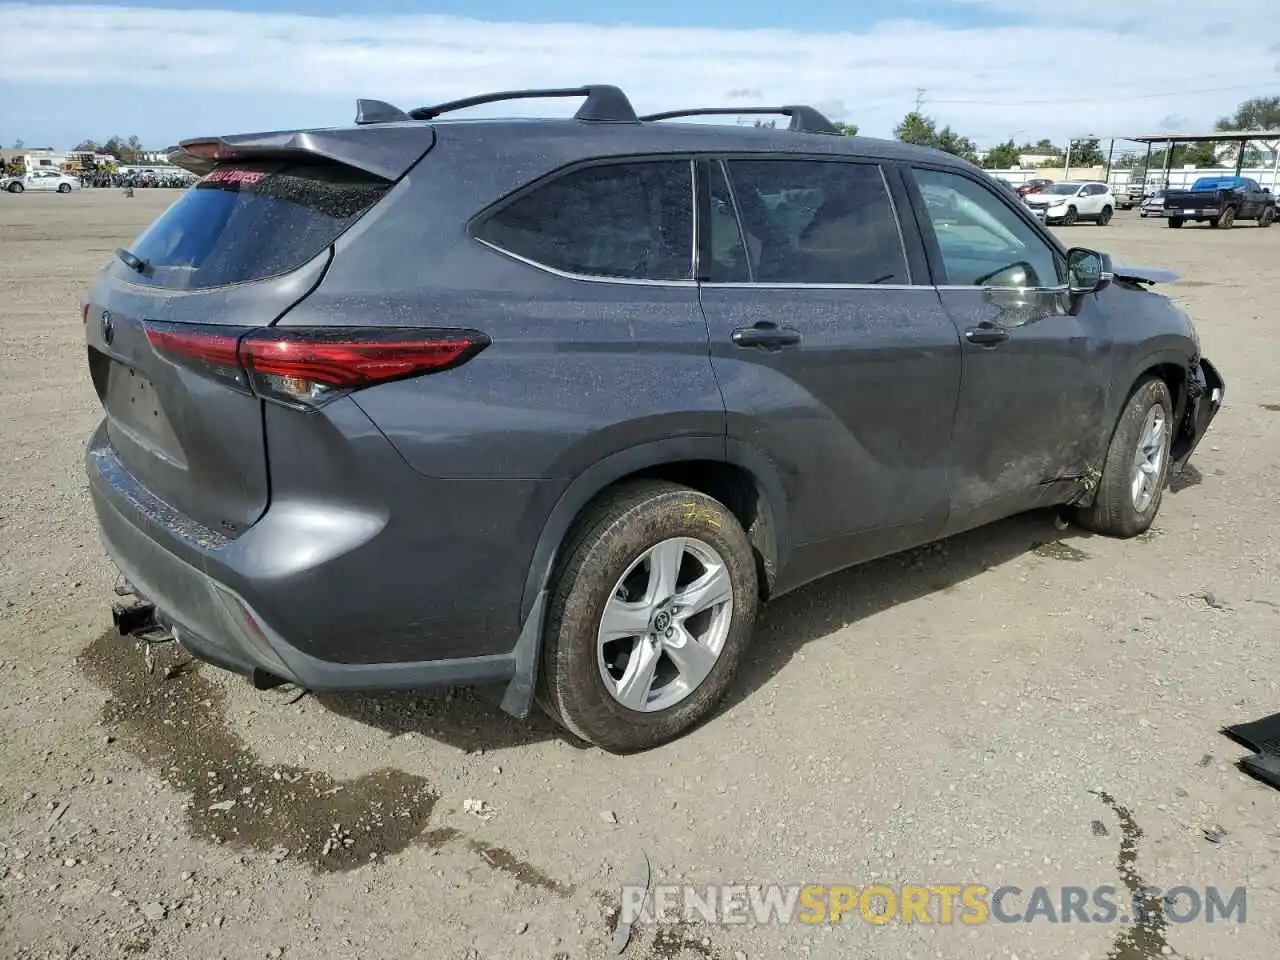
x=987 y=334
x=767 y=336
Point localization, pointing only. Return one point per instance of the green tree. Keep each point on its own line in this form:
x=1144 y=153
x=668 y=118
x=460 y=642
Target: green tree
x=765 y=124
x=922 y=131
x=1002 y=156
x=962 y=147
x=918 y=129
x=1044 y=146
x=1085 y=153
x=1260 y=113
x=847 y=129
x=86 y=146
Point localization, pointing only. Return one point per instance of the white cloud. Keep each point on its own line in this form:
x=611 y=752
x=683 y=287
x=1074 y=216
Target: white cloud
x=1101 y=70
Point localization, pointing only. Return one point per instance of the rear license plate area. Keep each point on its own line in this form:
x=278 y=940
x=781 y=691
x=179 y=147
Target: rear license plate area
x=132 y=402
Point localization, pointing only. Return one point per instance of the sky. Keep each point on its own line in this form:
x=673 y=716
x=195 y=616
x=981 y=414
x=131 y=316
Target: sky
x=166 y=70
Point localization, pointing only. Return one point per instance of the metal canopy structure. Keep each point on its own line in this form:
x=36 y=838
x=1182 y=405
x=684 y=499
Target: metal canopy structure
x=1171 y=140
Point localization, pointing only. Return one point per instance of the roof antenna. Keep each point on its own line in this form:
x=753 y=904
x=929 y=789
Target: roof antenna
x=378 y=111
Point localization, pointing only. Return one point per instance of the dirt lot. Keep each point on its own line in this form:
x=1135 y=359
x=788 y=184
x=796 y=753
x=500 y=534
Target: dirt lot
x=1016 y=706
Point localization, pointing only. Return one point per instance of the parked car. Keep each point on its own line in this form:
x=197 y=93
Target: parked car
x=571 y=428
x=1141 y=185
x=1033 y=186
x=1220 y=202
x=1152 y=206
x=1073 y=200
x=54 y=180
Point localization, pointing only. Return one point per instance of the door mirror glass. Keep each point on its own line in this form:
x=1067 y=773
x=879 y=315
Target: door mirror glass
x=1087 y=270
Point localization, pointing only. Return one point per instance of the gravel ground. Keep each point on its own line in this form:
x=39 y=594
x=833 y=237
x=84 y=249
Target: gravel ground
x=1019 y=705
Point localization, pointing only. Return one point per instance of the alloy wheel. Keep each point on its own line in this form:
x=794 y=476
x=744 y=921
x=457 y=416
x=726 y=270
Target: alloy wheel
x=665 y=624
x=1148 y=459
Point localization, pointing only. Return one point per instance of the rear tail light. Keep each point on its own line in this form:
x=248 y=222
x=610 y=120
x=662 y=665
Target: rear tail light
x=309 y=367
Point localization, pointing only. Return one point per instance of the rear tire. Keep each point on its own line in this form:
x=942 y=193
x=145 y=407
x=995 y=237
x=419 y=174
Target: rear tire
x=1070 y=217
x=1175 y=223
x=1227 y=219
x=610 y=573
x=1104 y=217
x=1137 y=465
x=64 y=188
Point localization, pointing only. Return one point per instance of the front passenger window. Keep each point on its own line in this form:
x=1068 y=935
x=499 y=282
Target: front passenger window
x=983 y=242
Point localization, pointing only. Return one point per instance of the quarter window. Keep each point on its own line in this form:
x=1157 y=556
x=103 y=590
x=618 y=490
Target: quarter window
x=629 y=221
x=982 y=240
x=807 y=221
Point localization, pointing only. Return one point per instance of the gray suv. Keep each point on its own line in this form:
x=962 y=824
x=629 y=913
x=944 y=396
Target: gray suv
x=558 y=403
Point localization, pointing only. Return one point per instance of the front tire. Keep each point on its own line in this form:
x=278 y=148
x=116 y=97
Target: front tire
x=1268 y=217
x=651 y=609
x=64 y=188
x=1137 y=465
x=1105 y=216
x=1175 y=223
x=16 y=188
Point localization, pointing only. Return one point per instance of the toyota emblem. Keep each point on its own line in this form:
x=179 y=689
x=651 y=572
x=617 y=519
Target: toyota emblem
x=108 y=328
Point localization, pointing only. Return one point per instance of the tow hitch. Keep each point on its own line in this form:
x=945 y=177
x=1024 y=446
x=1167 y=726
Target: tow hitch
x=135 y=619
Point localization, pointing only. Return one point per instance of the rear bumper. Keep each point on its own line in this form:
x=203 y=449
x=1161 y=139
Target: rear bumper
x=216 y=624
x=321 y=604
x=1188 y=214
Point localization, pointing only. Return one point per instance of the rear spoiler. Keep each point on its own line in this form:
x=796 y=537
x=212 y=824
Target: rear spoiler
x=385 y=151
x=1144 y=274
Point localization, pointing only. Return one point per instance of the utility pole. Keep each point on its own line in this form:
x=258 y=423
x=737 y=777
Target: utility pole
x=920 y=91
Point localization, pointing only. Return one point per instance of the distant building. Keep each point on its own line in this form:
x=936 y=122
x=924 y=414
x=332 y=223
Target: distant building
x=33 y=158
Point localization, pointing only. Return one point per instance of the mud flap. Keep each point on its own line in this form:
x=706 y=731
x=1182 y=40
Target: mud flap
x=1205 y=391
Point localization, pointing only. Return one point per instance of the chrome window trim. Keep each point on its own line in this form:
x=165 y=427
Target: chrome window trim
x=824 y=286
x=1062 y=288
x=584 y=277
x=695 y=258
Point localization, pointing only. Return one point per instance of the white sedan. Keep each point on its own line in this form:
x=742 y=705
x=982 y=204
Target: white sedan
x=54 y=180
x=1070 y=201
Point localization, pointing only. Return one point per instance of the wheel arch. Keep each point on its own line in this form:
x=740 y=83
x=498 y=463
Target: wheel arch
x=1170 y=366
x=737 y=474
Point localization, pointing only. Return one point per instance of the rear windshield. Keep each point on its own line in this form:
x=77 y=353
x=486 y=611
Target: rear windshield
x=252 y=221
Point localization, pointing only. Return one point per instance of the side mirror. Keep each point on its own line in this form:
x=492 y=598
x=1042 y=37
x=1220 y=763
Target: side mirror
x=1088 y=271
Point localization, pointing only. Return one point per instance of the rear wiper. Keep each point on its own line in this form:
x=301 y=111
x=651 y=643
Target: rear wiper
x=133 y=262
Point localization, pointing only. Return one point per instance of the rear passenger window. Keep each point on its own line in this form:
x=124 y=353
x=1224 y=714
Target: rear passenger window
x=815 y=221
x=631 y=221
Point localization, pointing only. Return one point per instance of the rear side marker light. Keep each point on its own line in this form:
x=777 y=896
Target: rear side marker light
x=309 y=367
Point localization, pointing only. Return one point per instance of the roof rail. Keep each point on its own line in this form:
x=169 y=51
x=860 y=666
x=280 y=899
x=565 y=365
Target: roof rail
x=803 y=119
x=378 y=111
x=604 y=103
